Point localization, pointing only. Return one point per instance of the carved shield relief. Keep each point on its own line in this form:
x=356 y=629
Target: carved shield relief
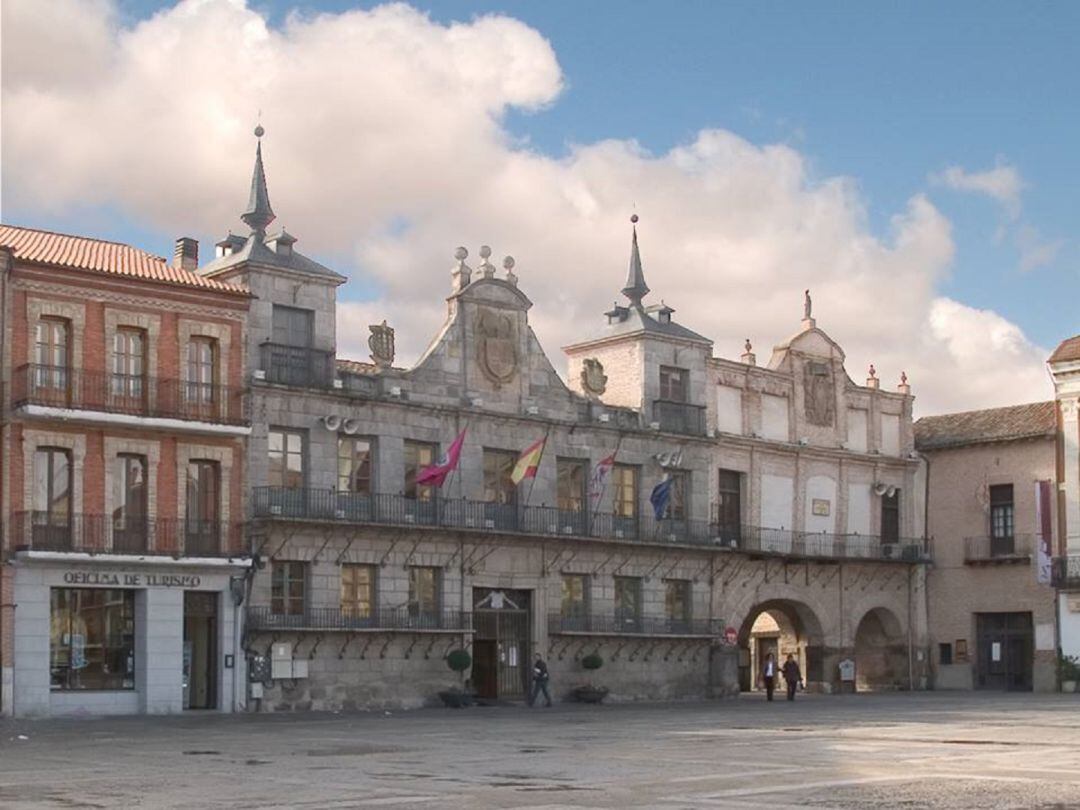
x=819 y=395
x=497 y=346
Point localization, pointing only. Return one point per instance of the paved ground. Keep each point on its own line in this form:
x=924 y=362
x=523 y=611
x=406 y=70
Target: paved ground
x=856 y=751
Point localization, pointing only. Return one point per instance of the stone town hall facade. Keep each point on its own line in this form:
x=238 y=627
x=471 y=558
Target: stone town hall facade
x=793 y=523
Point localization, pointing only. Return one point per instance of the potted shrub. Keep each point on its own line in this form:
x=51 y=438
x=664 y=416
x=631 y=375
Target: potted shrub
x=1068 y=672
x=457 y=697
x=590 y=693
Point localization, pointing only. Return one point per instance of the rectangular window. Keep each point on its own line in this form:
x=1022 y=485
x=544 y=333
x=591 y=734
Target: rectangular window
x=51 y=357
x=288 y=583
x=570 y=484
x=52 y=484
x=418 y=456
x=890 y=517
x=729 y=504
x=203 y=509
x=624 y=485
x=358 y=591
x=424 y=595
x=129 y=364
x=628 y=604
x=1001 y=511
x=678 y=508
x=91 y=638
x=677 y=603
x=673 y=384
x=292 y=326
x=945 y=653
x=575 y=596
x=498 y=488
x=129 y=503
x=286 y=451
x=354 y=465
x=202 y=372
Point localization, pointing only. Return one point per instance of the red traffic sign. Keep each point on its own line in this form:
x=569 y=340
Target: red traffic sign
x=731 y=635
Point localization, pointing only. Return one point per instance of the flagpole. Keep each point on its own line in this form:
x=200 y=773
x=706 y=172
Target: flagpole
x=603 y=491
x=539 y=460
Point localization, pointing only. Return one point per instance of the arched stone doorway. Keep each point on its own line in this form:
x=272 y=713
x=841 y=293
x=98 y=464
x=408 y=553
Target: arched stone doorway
x=782 y=627
x=881 y=652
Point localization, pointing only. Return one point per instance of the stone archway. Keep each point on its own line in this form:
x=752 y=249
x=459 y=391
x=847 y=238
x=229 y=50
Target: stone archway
x=881 y=652
x=780 y=626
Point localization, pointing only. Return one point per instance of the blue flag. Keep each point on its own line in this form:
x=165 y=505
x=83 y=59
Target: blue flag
x=661 y=496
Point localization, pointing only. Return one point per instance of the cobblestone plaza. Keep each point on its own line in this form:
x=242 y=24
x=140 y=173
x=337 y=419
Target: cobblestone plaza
x=925 y=750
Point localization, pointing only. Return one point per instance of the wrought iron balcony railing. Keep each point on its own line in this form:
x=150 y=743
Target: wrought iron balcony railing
x=679 y=417
x=989 y=549
x=378 y=619
x=327 y=505
x=134 y=395
x=102 y=534
x=589 y=623
x=1065 y=572
x=298 y=366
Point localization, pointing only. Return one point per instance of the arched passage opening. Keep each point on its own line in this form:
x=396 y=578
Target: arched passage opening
x=782 y=627
x=881 y=652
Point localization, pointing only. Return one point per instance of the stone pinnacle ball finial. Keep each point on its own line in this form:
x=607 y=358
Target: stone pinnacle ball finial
x=634 y=218
x=508 y=263
x=485 y=252
x=259 y=131
x=461 y=254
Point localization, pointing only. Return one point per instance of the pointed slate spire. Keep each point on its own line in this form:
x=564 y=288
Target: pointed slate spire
x=259 y=214
x=635 y=288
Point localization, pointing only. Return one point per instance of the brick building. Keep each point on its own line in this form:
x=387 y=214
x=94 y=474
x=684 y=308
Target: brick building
x=991 y=606
x=791 y=493
x=123 y=427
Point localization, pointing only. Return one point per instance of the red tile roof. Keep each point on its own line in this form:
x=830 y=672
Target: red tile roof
x=1035 y=420
x=1067 y=350
x=114 y=258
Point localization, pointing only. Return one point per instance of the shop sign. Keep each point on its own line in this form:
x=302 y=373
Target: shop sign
x=126 y=580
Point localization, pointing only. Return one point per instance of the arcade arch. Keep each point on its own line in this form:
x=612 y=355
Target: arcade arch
x=782 y=627
x=881 y=652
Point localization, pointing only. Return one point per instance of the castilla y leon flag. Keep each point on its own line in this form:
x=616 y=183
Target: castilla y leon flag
x=436 y=474
x=528 y=461
x=599 y=478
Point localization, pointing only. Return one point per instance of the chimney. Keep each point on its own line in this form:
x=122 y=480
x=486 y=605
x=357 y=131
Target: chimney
x=186 y=254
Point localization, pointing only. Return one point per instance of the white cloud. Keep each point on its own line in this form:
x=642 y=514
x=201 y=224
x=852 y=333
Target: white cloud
x=1035 y=251
x=1002 y=183
x=385 y=146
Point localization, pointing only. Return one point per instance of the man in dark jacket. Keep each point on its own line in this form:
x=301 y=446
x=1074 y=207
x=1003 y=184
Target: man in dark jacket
x=768 y=675
x=540 y=681
x=792 y=676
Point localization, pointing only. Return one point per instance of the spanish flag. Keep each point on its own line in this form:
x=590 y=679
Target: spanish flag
x=528 y=461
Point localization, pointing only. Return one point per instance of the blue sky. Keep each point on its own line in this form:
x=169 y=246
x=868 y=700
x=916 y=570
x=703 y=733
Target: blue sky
x=886 y=94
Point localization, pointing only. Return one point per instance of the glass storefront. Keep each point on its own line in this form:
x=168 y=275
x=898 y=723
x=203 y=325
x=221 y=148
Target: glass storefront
x=92 y=638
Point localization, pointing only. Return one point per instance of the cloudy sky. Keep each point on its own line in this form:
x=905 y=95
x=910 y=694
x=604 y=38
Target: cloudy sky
x=915 y=166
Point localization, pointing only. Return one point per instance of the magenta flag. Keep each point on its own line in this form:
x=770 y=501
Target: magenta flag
x=436 y=474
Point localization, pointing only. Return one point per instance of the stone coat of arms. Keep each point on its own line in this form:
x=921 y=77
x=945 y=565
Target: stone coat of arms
x=497 y=346
x=381 y=343
x=593 y=379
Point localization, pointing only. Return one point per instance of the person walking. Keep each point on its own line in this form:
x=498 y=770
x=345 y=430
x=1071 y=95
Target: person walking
x=768 y=676
x=792 y=675
x=540 y=682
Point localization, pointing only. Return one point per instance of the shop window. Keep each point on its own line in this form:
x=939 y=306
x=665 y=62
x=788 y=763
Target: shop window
x=92 y=638
x=288 y=582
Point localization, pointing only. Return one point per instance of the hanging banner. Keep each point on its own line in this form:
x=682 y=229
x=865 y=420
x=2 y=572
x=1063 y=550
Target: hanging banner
x=1043 y=532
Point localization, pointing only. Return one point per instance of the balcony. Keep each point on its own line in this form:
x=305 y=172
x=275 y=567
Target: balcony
x=298 y=366
x=1016 y=548
x=594 y=625
x=128 y=395
x=679 y=417
x=1065 y=572
x=102 y=534
x=380 y=620
x=332 y=506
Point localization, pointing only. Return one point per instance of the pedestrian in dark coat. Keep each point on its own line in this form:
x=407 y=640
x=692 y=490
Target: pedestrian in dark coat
x=540 y=682
x=768 y=675
x=792 y=676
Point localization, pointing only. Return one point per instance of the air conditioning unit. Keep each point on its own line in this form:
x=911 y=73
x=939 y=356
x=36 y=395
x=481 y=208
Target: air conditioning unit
x=605 y=417
x=470 y=523
x=338 y=383
x=532 y=410
x=619 y=534
x=654 y=425
x=489 y=524
x=568 y=529
x=410 y=518
x=259 y=374
x=275 y=509
x=395 y=390
x=339 y=514
x=552 y=528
